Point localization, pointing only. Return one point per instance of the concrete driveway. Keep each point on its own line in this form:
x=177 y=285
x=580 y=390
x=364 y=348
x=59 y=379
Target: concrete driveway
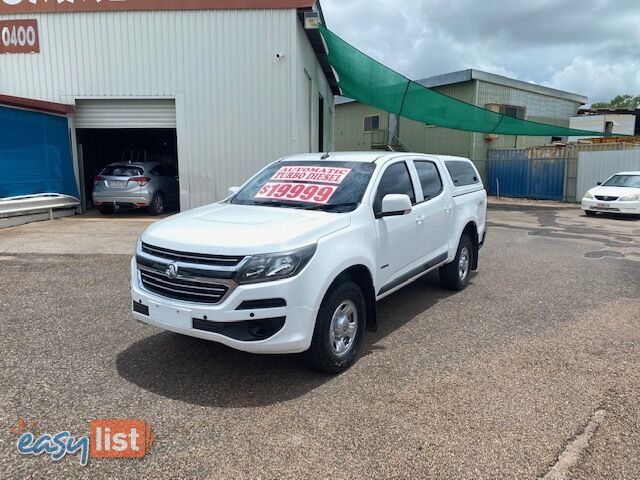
x=533 y=371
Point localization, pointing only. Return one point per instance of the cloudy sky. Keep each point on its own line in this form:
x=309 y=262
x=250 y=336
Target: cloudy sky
x=590 y=47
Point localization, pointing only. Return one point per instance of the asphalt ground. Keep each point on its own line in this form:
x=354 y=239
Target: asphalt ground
x=532 y=371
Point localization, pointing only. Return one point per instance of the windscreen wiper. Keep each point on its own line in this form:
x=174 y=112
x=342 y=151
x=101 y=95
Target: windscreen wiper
x=332 y=206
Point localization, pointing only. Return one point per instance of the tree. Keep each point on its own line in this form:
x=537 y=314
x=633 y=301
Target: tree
x=620 y=101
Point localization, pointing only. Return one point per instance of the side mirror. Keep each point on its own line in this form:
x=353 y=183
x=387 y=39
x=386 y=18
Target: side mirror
x=233 y=190
x=599 y=183
x=395 y=205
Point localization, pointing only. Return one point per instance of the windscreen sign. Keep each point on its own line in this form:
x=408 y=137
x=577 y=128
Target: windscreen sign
x=19 y=36
x=304 y=184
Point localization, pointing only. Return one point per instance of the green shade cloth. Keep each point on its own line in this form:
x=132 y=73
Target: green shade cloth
x=370 y=82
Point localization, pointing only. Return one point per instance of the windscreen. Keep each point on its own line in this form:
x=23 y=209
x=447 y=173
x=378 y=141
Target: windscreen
x=328 y=186
x=122 y=171
x=631 y=181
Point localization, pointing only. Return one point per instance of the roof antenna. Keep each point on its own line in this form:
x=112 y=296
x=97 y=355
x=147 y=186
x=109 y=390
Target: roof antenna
x=325 y=156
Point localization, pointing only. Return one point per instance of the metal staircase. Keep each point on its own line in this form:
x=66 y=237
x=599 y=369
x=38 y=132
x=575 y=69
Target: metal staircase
x=386 y=140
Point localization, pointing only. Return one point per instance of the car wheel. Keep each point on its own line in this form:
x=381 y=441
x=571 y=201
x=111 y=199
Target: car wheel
x=156 y=207
x=590 y=213
x=105 y=210
x=339 y=329
x=455 y=275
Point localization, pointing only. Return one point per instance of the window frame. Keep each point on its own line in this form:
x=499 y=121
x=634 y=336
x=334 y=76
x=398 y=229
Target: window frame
x=419 y=183
x=374 y=193
x=364 y=123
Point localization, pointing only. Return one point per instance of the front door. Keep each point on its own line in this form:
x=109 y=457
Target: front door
x=397 y=236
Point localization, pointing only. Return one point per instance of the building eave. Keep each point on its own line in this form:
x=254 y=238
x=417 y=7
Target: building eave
x=38 y=105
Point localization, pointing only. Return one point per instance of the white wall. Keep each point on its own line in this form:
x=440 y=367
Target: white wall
x=594 y=167
x=237 y=105
x=623 y=124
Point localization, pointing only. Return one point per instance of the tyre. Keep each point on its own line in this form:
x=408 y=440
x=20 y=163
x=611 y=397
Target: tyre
x=455 y=275
x=105 y=210
x=156 y=207
x=590 y=213
x=339 y=329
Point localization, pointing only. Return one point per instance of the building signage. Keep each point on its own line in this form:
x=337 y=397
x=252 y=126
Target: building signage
x=19 y=36
x=46 y=6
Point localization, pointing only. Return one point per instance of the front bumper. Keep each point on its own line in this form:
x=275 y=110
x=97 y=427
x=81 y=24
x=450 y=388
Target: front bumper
x=181 y=317
x=611 y=207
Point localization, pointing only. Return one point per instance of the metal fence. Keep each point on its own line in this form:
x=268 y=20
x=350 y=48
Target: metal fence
x=526 y=177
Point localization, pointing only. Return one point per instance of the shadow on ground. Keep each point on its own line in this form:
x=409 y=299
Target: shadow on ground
x=205 y=373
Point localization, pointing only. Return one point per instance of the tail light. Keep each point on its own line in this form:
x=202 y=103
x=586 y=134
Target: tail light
x=142 y=181
x=98 y=179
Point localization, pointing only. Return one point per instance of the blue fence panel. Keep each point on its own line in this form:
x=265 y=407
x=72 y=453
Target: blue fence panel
x=35 y=154
x=512 y=174
x=546 y=178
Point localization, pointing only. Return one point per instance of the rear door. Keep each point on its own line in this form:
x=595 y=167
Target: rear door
x=433 y=210
x=396 y=236
x=115 y=180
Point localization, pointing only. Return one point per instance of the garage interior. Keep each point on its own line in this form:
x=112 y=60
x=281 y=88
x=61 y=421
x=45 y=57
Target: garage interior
x=101 y=147
x=108 y=130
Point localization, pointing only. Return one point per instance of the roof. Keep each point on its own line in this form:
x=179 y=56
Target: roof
x=141 y=5
x=39 y=105
x=472 y=74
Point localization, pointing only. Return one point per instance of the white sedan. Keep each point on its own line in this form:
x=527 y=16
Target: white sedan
x=619 y=194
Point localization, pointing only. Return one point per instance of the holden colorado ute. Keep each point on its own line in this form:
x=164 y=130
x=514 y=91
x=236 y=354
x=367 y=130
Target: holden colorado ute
x=296 y=259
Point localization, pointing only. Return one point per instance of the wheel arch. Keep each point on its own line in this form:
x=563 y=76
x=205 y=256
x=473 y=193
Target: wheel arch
x=471 y=230
x=361 y=275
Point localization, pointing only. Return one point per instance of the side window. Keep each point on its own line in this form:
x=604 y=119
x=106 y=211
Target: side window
x=462 y=173
x=429 y=179
x=371 y=123
x=395 y=180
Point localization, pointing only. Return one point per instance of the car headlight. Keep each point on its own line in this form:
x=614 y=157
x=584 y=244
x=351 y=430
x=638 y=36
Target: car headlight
x=629 y=198
x=275 y=266
x=588 y=195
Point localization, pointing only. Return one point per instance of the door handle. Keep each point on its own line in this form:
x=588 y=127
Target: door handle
x=447 y=209
x=420 y=220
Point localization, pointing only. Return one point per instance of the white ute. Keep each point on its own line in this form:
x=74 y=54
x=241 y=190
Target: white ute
x=296 y=259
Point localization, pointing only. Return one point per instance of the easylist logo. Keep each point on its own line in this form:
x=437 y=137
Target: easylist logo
x=107 y=439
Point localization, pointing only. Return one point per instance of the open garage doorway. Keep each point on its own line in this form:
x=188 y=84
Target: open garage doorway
x=122 y=132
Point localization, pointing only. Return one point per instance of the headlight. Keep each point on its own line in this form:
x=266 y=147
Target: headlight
x=275 y=266
x=629 y=198
x=588 y=195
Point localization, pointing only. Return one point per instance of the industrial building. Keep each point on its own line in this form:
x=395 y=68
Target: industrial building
x=362 y=127
x=220 y=87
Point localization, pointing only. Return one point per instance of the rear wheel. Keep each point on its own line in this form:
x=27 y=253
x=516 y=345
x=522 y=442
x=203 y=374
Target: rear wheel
x=156 y=207
x=105 y=210
x=590 y=213
x=455 y=275
x=339 y=329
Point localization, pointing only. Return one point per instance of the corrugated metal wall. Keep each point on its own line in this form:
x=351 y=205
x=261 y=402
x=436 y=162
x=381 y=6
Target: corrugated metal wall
x=568 y=155
x=511 y=173
x=237 y=105
x=594 y=167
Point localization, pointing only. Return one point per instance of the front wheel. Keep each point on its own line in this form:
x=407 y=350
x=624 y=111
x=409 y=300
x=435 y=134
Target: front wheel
x=339 y=329
x=455 y=275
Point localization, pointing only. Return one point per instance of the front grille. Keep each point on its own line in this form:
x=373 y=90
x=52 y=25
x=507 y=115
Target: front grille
x=189 y=290
x=606 y=199
x=188 y=257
